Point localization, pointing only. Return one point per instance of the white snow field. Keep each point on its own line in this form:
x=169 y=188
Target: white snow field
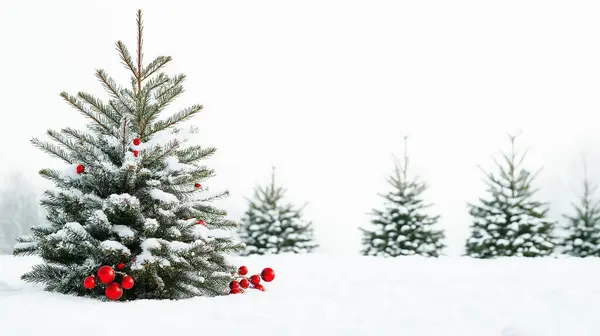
x=327 y=295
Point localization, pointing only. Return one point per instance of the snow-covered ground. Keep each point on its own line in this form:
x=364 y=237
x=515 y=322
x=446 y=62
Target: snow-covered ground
x=322 y=295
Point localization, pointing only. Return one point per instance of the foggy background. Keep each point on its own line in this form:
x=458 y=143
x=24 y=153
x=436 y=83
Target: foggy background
x=326 y=90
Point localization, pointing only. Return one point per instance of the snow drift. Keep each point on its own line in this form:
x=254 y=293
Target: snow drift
x=323 y=295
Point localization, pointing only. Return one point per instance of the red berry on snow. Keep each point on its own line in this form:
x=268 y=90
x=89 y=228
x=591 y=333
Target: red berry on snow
x=80 y=169
x=259 y=287
x=120 y=266
x=136 y=153
x=198 y=185
x=113 y=291
x=137 y=141
x=235 y=291
x=255 y=279
x=244 y=283
x=127 y=282
x=268 y=274
x=106 y=274
x=89 y=282
x=243 y=270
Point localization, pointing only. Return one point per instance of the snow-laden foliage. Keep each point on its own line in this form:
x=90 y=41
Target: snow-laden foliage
x=509 y=221
x=582 y=230
x=271 y=226
x=134 y=203
x=19 y=209
x=404 y=226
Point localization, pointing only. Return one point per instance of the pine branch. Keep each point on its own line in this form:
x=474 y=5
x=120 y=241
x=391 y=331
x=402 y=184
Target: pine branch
x=168 y=94
x=126 y=59
x=114 y=90
x=140 y=55
x=159 y=154
x=78 y=105
x=195 y=153
x=176 y=118
x=100 y=107
x=154 y=66
x=54 y=151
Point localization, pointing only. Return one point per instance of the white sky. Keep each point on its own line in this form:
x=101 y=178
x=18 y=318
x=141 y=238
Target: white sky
x=325 y=90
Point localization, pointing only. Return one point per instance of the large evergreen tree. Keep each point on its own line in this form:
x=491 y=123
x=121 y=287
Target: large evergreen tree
x=509 y=221
x=130 y=197
x=404 y=226
x=271 y=226
x=582 y=237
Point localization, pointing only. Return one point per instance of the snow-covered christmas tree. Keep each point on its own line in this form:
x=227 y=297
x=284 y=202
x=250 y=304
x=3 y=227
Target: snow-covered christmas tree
x=271 y=226
x=582 y=237
x=509 y=221
x=128 y=218
x=404 y=226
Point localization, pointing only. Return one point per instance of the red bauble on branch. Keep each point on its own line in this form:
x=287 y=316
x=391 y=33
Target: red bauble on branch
x=243 y=270
x=198 y=185
x=89 y=282
x=201 y=222
x=137 y=141
x=106 y=274
x=244 y=283
x=127 y=282
x=259 y=287
x=234 y=284
x=267 y=274
x=113 y=291
x=255 y=279
x=136 y=153
x=80 y=169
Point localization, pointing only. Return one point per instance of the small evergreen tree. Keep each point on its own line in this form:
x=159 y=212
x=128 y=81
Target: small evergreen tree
x=403 y=227
x=509 y=221
x=270 y=226
x=130 y=198
x=582 y=237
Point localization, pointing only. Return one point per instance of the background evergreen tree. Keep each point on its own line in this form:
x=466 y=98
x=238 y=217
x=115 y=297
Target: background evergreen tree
x=509 y=221
x=19 y=209
x=130 y=196
x=582 y=238
x=403 y=227
x=271 y=226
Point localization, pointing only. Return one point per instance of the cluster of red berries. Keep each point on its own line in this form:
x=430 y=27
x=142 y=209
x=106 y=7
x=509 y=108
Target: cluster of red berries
x=106 y=275
x=244 y=282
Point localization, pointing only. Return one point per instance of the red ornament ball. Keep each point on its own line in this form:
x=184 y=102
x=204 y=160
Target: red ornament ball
x=201 y=222
x=198 y=185
x=113 y=291
x=259 y=287
x=137 y=141
x=127 y=282
x=255 y=279
x=89 y=282
x=234 y=284
x=80 y=169
x=106 y=274
x=244 y=283
x=235 y=291
x=136 y=153
x=120 y=266
x=267 y=274
x=243 y=270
